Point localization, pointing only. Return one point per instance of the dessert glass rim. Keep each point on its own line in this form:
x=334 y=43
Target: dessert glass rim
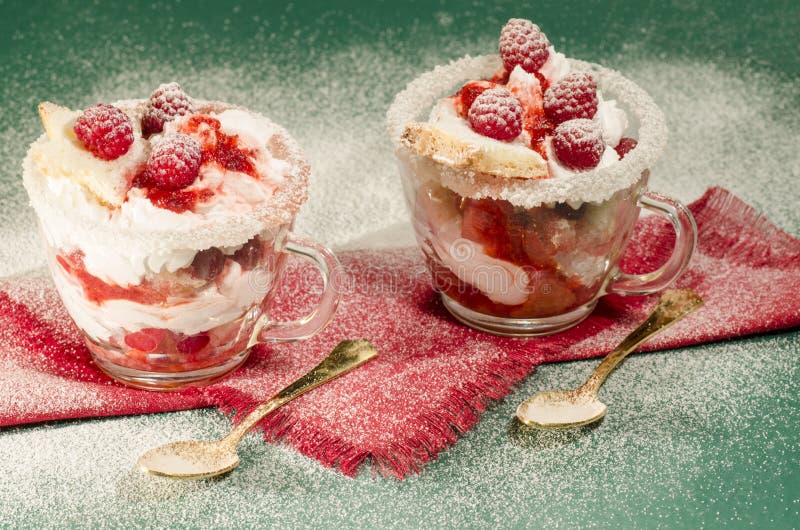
x=205 y=231
x=595 y=185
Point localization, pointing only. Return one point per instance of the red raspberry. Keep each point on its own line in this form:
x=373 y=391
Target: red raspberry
x=578 y=144
x=573 y=96
x=466 y=96
x=146 y=340
x=625 y=146
x=174 y=162
x=193 y=344
x=250 y=255
x=208 y=264
x=523 y=43
x=496 y=113
x=104 y=130
x=166 y=102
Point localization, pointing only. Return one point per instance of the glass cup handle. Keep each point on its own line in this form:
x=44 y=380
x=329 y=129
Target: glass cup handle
x=685 y=240
x=267 y=330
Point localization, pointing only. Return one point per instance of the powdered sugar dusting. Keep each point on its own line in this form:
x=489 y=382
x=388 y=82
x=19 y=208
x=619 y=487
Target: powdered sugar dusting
x=579 y=143
x=455 y=371
x=166 y=103
x=573 y=96
x=589 y=186
x=523 y=43
x=496 y=113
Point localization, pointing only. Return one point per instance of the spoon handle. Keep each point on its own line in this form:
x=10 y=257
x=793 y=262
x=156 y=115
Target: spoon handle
x=673 y=305
x=347 y=355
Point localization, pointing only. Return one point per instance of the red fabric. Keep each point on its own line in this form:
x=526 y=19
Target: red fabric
x=434 y=377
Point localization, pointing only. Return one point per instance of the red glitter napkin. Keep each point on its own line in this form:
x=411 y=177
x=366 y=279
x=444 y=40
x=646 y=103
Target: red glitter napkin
x=434 y=377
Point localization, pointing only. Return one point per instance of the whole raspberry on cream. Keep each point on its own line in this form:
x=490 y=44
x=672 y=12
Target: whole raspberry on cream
x=505 y=125
x=163 y=218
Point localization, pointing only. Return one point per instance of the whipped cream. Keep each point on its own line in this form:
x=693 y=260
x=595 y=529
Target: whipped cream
x=73 y=218
x=226 y=299
x=555 y=67
x=445 y=117
x=611 y=119
x=500 y=281
x=592 y=186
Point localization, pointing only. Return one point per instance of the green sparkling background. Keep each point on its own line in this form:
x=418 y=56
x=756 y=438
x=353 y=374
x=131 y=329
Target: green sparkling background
x=701 y=436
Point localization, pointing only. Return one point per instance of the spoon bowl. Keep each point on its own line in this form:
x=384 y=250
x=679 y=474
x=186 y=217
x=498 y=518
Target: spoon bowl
x=198 y=460
x=189 y=459
x=560 y=409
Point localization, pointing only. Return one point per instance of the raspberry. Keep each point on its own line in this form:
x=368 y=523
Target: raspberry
x=166 y=102
x=146 y=340
x=496 y=113
x=578 y=144
x=466 y=96
x=174 y=162
x=208 y=264
x=625 y=146
x=523 y=43
x=104 y=130
x=249 y=256
x=193 y=344
x=573 y=96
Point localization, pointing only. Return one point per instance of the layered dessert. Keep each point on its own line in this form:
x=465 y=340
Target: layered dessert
x=522 y=172
x=164 y=219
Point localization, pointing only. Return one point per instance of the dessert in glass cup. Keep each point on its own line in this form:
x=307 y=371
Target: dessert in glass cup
x=166 y=223
x=524 y=174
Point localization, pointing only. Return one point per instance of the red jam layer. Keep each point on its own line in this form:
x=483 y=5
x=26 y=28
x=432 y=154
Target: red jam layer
x=524 y=238
x=216 y=148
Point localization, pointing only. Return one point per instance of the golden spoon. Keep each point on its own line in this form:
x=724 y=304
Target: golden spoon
x=196 y=460
x=565 y=409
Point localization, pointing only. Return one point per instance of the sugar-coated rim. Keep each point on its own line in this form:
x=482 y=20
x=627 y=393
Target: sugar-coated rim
x=206 y=232
x=590 y=186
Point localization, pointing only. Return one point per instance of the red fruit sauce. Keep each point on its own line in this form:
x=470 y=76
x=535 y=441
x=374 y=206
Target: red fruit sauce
x=512 y=235
x=466 y=96
x=217 y=148
x=220 y=147
x=98 y=291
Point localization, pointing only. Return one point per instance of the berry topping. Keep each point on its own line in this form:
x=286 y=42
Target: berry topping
x=208 y=264
x=625 y=146
x=104 y=130
x=174 y=162
x=249 y=256
x=193 y=344
x=523 y=43
x=166 y=102
x=466 y=96
x=496 y=113
x=578 y=144
x=573 y=96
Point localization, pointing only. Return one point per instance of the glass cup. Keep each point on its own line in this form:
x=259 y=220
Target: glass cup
x=194 y=325
x=512 y=268
x=166 y=301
